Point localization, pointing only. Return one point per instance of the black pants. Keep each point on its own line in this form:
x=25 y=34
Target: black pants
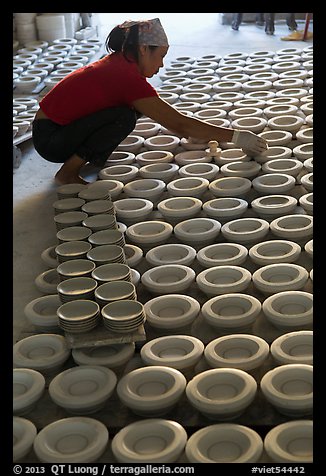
x=93 y=137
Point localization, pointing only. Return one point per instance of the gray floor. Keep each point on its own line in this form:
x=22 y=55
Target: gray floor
x=192 y=34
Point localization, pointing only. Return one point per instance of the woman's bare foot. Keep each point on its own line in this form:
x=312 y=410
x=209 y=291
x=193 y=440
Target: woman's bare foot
x=69 y=172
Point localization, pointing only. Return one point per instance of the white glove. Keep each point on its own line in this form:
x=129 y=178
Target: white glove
x=249 y=141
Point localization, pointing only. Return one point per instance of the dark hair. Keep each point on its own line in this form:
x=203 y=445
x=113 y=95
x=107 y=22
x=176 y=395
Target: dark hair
x=125 y=41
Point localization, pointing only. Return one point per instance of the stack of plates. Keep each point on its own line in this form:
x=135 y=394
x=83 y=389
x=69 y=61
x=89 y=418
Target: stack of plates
x=107 y=254
x=69 y=190
x=98 y=206
x=107 y=237
x=123 y=316
x=65 y=219
x=76 y=288
x=115 y=291
x=111 y=272
x=91 y=193
x=101 y=221
x=80 y=315
x=67 y=205
x=76 y=268
x=70 y=250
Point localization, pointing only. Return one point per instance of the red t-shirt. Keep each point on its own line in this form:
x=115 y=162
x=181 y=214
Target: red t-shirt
x=110 y=82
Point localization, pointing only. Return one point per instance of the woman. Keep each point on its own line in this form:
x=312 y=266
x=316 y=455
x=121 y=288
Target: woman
x=90 y=111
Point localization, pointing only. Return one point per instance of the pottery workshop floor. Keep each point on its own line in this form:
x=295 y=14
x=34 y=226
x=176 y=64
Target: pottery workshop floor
x=190 y=34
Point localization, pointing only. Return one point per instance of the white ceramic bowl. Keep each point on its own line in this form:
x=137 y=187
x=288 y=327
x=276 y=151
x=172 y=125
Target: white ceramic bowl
x=150 y=232
x=179 y=208
x=241 y=351
x=247 y=170
x=162 y=142
x=84 y=389
x=276 y=137
x=197 y=231
x=293 y=348
x=245 y=230
x=307 y=181
x=204 y=170
x=221 y=394
x=112 y=356
x=225 y=209
x=71 y=440
x=309 y=248
x=132 y=210
x=172 y=311
x=307 y=202
x=288 y=166
x=289 y=388
x=122 y=173
x=144 y=188
x=28 y=388
x=231 y=311
x=168 y=278
x=134 y=255
x=272 y=206
x=295 y=227
x=290 y=442
x=188 y=186
x=224 y=443
x=42 y=352
x=132 y=143
x=150 y=440
x=154 y=157
x=222 y=254
x=289 y=310
x=274 y=183
x=24 y=433
x=151 y=391
x=274 y=251
x=181 y=352
x=171 y=254
x=42 y=312
x=230 y=187
x=277 y=277
x=161 y=171
x=219 y=280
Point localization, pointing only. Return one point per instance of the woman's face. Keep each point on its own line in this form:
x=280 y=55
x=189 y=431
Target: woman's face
x=151 y=60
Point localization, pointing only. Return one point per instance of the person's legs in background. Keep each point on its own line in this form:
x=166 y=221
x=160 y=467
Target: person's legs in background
x=269 y=23
x=260 y=19
x=236 y=21
x=290 y=21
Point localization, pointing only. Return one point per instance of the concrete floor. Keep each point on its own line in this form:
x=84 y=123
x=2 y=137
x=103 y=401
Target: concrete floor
x=194 y=34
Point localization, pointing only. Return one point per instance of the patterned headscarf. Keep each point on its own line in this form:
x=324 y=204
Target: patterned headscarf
x=150 y=32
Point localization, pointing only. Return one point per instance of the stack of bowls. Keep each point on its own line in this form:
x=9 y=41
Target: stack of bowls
x=78 y=316
x=106 y=254
x=76 y=288
x=111 y=272
x=113 y=291
x=107 y=237
x=123 y=316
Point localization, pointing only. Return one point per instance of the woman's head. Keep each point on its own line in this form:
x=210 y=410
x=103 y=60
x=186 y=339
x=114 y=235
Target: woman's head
x=143 y=41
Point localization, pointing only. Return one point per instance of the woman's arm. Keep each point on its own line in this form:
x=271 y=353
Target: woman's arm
x=185 y=126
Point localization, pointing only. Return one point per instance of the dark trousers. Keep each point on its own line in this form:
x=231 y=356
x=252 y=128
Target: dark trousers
x=93 y=137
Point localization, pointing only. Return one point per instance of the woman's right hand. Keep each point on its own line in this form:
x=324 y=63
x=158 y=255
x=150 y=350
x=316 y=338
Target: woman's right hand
x=249 y=141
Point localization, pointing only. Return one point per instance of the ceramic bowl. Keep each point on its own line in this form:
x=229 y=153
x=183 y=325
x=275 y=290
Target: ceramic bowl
x=273 y=184
x=274 y=251
x=289 y=388
x=197 y=231
x=84 y=389
x=277 y=277
x=113 y=356
x=149 y=233
x=150 y=440
x=146 y=129
x=76 y=288
x=28 y=387
x=98 y=206
x=286 y=122
x=106 y=254
x=130 y=210
x=241 y=351
x=293 y=227
x=205 y=170
x=112 y=187
x=221 y=394
x=67 y=204
x=254 y=124
x=188 y=187
x=69 y=250
x=101 y=221
x=224 y=443
x=307 y=181
x=154 y=157
x=307 y=203
x=162 y=171
x=245 y=231
x=65 y=219
x=170 y=278
x=276 y=137
x=230 y=187
x=95 y=191
x=24 y=433
x=222 y=254
x=223 y=279
x=179 y=208
x=225 y=209
x=293 y=348
x=71 y=440
x=162 y=142
x=181 y=352
x=123 y=316
x=132 y=143
x=47 y=281
x=309 y=248
x=289 y=166
x=42 y=352
x=172 y=311
x=231 y=311
x=289 y=310
x=279 y=109
x=42 y=312
x=144 y=188
x=290 y=442
x=73 y=233
x=69 y=190
x=272 y=206
x=274 y=153
x=107 y=237
x=247 y=170
x=122 y=173
x=134 y=255
x=303 y=151
x=171 y=254
x=151 y=391
x=114 y=291
x=305 y=135
x=231 y=155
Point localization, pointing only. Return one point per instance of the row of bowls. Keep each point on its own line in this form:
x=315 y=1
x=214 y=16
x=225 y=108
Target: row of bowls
x=163 y=441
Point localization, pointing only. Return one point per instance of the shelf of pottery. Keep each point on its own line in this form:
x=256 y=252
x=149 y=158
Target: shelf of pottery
x=37 y=67
x=176 y=304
